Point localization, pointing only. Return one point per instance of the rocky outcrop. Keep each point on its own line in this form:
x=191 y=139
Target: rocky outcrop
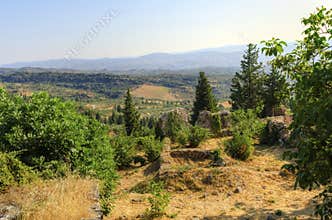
x=10 y=212
x=179 y=113
x=215 y=122
x=275 y=132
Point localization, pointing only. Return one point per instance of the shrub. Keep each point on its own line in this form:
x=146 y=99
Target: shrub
x=13 y=171
x=246 y=122
x=239 y=147
x=50 y=169
x=216 y=124
x=183 y=136
x=172 y=127
x=245 y=126
x=198 y=135
x=151 y=147
x=158 y=201
x=324 y=209
x=124 y=150
x=53 y=137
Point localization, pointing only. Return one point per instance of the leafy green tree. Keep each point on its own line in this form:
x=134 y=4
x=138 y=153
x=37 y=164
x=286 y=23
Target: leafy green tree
x=204 y=99
x=246 y=88
x=131 y=115
x=309 y=65
x=276 y=92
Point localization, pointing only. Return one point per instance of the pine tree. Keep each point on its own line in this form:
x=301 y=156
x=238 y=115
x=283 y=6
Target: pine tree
x=246 y=88
x=276 y=92
x=204 y=99
x=131 y=115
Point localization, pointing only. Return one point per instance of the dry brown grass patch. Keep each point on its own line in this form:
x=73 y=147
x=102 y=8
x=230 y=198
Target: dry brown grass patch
x=69 y=198
x=154 y=92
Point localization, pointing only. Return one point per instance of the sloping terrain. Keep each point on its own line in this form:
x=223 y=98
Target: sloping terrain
x=154 y=92
x=254 y=189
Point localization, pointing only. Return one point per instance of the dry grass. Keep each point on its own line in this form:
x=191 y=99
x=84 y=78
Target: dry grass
x=263 y=190
x=69 y=198
x=154 y=92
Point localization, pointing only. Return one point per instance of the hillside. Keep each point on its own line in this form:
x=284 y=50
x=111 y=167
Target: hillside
x=254 y=189
x=154 y=92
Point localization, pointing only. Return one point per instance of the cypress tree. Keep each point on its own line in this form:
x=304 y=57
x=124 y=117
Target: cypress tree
x=204 y=99
x=131 y=115
x=276 y=92
x=246 y=88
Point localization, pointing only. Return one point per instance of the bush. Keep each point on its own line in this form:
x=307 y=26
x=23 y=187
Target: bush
x=53 y=138
x=151 y=147
x=13 y=171
x=216 y=124
x=50 y=169
x=183 y=136
x=158 y=201
x=246 y=122
x=198 y=135
x=245 y=126
x=172 y=127
x=239 y=147
x=124 y=150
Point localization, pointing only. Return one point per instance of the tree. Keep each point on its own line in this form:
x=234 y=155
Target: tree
x=204 y=99
x=131 y=115
x=276 y=92
x=246 y=86
x=309 y=65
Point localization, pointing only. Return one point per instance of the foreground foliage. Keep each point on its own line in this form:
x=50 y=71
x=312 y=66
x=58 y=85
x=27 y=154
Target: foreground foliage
x=52 y=138
x=309 y=66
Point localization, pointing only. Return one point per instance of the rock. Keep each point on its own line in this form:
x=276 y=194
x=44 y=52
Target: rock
x=215 y=193
x=225 y=119
x=275 y=132
x=270 y=217
x=136 y=200
x=278 y=212
x=238 y=190
x=208 y=179
x=181 y=113
x=140 y=216
x=206 y=120
x=204 y=196
x=10 y=212
x=285 y=173
x=218 y=163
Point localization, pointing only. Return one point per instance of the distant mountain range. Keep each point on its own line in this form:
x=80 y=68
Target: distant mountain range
x=222 y=57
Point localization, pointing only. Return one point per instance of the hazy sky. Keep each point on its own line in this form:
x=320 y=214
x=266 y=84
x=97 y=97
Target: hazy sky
x=39 y=29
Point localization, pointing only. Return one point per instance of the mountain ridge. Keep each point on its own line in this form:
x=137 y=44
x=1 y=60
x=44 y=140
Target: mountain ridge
x=228 y=56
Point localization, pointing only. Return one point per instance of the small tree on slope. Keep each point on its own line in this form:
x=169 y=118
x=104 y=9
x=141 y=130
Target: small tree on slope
x=131 y=115
x=276 y=92
x=246 y=86
x=204 y=99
